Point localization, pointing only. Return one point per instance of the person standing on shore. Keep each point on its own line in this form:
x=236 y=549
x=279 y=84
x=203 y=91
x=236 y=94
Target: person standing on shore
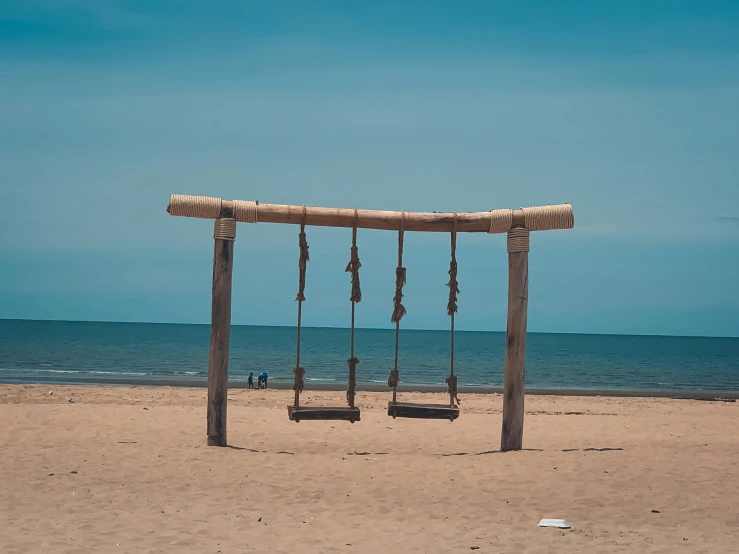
x=250 y=381
x=262 y=380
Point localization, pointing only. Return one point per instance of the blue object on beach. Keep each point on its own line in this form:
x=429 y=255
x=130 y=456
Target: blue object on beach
x=263 y=374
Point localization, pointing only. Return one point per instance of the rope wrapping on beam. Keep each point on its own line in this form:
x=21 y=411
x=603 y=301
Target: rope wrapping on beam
x=225 y=229
x=500 y=220
x=187 y=205
x=518 y=240
x=543 y=218
x=246 y=211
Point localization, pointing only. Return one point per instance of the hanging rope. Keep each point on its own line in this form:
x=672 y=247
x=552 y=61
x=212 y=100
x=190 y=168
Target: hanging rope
x=356 y=296
x=451 y=309
x=304 y=257
x=398 y=308
x=299 y=371
x=354 y=264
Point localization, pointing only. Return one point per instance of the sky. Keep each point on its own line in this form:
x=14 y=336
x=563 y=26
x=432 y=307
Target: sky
x=627 y=110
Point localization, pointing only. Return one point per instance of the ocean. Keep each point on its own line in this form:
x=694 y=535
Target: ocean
x=58 y=352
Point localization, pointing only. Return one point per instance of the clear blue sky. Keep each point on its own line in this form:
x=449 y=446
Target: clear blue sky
x=627 y=110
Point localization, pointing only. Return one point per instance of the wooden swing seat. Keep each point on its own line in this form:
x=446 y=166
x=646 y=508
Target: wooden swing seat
x=323 y=413
x=422 y=411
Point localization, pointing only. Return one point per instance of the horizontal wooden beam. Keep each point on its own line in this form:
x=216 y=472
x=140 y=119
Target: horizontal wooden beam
x=467 y=222
x=375 y=219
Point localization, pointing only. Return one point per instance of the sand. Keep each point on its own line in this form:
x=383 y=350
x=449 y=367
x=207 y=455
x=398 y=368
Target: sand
x=126 y=469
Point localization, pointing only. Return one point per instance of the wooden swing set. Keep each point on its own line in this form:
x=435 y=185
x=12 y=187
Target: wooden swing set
x=516 y=223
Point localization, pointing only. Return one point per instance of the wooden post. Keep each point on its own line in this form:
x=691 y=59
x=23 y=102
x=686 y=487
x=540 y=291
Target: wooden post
x=220 y=330
x=511 y=437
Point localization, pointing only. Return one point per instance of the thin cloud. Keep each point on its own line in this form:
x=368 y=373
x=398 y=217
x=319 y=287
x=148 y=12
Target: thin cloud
x=728 y=219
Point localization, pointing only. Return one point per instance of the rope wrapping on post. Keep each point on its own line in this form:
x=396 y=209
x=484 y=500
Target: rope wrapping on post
x=195 y=206
x=225 y=229
x=518 y=240
x=543 y=218
x=500 y=220
x=246 y=211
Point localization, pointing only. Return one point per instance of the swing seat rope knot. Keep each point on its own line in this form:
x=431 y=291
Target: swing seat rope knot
x=351 y=389
x=299 y=383
x=451 y=382
x=393 y=379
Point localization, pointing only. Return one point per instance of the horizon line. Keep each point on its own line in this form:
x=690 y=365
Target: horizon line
x=370 y=328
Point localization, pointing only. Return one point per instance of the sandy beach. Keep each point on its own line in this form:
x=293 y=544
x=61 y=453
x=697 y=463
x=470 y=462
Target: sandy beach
x=126 y=469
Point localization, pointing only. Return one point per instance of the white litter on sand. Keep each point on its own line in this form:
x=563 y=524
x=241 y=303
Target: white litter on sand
x=559 y=523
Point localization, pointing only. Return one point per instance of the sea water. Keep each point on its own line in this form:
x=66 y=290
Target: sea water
x=89 y=352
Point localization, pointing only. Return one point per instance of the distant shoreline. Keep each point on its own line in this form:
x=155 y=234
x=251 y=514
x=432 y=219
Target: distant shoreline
x=377 y=387
x=361 y=328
